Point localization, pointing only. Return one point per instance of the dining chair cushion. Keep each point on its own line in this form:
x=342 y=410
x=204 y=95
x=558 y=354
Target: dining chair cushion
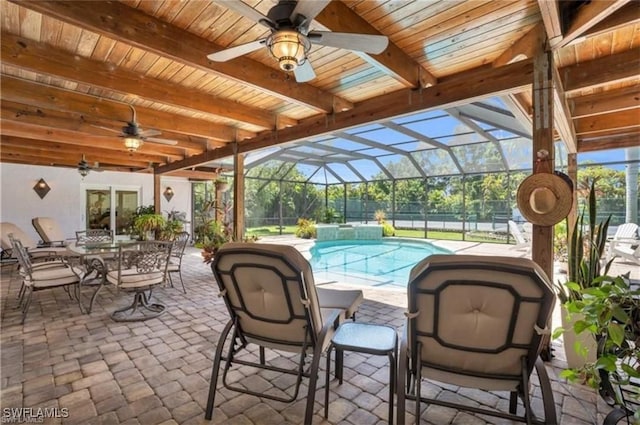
x=45 y=277
x=131 y=278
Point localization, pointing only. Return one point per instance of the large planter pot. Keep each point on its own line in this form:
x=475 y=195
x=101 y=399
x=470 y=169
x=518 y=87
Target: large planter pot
x=575 y=360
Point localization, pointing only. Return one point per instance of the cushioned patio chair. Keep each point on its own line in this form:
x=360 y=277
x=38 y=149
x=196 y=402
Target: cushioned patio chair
x=273 y=303
x=35 y=252
x=478 y=322
x=49 y=230
x=175 y=262
x=140 y=267
x=94 y=236
x=45 y=275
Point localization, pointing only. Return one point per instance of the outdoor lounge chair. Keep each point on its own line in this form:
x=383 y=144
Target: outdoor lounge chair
x=46 y=275
x=625 y=243
x=272 y=301
x=522 y=242
x=35 y=252
x=478 y=322
x=49 y=230
x=140 y=266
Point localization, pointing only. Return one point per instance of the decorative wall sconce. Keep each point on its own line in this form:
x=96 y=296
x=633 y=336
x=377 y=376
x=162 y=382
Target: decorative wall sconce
x=168 y=193
x=41 y=188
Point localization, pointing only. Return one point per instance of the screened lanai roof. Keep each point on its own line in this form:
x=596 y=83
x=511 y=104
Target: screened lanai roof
x=476 y=138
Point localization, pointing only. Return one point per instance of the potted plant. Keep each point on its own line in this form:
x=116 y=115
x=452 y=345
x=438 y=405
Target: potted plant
x=149 y=226
x=584 y=271
x=610 y=314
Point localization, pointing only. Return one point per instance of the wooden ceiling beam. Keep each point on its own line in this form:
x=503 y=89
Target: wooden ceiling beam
x=55 y=150
x=604 y=102
x=485 y=82
x=587 y=15
x=550 y=11
x=629 y=14
x=28 y=131
x=602 y=71
x=526 y=46
x=338 y=17
x=134 y=27
x=45 y=96
x=613 y=121
x=561 y=114
x=42 y=58
x=611 y=141
x=194 y=175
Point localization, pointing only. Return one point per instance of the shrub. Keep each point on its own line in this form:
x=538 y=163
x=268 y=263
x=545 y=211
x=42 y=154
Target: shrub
x=306 y=228
x=380 y=216
x=388 y=229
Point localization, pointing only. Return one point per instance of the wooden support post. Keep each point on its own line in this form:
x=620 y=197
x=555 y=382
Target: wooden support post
x=238 y=194
x=156 y=194
x=572 y=170
x=542 y=239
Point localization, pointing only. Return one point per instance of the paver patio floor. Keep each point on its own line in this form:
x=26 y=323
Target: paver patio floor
x=157 y=371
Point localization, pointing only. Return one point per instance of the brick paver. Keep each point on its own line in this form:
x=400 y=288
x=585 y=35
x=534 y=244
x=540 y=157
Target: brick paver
x=157 y=372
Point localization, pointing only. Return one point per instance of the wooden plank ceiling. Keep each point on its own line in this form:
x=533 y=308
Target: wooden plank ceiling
x=70 y=70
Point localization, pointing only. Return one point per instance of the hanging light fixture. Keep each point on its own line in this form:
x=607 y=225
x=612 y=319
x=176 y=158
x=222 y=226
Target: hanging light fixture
x=132 y=143
x=289 y=47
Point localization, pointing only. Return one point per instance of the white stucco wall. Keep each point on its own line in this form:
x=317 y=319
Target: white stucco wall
x=19 y=203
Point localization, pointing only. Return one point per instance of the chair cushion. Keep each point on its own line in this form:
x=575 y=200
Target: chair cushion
x=48 y=229
x=46 y=277
x=131 y=278
x=7 y=228
x=476 y=317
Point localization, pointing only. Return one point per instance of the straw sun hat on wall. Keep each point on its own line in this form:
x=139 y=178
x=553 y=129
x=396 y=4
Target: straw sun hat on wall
x=545 y=199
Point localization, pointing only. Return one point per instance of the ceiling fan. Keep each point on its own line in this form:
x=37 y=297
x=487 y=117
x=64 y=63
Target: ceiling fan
x=290 y=39
x=134 y=136
x=84 y=167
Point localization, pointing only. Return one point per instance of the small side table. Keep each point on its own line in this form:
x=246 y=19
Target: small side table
x=365 y=338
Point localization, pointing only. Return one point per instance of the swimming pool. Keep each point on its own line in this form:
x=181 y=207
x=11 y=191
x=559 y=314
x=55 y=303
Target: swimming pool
x=384 y=263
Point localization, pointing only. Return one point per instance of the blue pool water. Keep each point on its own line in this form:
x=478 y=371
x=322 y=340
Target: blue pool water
x=374 y=263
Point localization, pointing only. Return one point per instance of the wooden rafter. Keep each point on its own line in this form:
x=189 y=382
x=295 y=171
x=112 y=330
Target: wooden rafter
x=588 y=15
x=550 y=11
x=606 y=102
x=42 y=58
x=338 y=17
x=49 y=97
x=598 y=72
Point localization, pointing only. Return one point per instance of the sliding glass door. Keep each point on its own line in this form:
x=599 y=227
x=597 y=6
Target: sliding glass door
x=111 y=207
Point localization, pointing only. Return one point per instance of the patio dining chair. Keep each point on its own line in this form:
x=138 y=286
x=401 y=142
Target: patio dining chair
x=45 y=275
x=139 y=268
x=94 y=236
x=273 y=303
x=478 y=322
x=175 y=262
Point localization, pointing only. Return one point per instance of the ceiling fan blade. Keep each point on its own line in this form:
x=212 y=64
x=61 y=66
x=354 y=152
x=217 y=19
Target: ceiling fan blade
x=161 y=141
x=367 y=43
x=151 y=132
x=104 y=128
x=304 y=72
x=234 y=52
x=247 y=11
x=309 y=9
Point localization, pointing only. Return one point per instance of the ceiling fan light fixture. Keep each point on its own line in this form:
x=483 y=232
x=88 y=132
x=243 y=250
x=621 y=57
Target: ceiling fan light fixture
x=132 y=143
x=289 y=47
